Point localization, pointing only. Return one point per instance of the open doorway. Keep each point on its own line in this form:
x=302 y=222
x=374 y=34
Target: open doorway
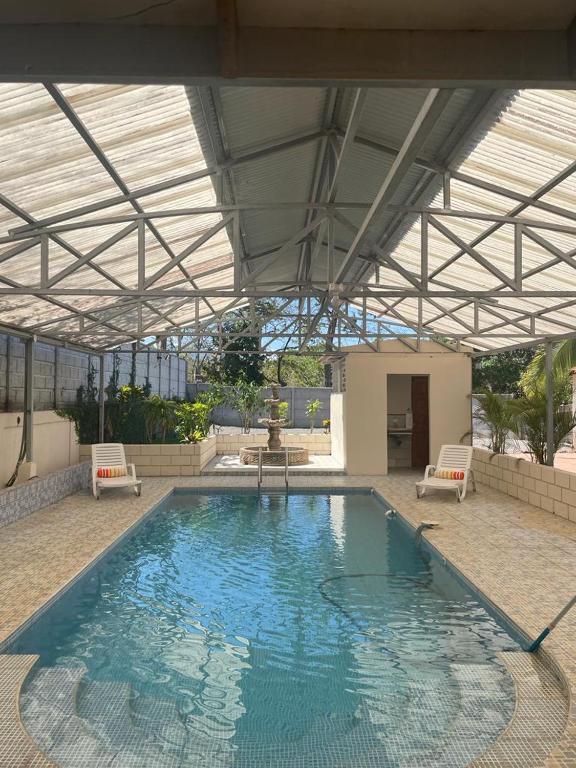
x=408 y=421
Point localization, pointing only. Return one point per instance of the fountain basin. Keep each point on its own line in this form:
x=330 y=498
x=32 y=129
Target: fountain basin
x=296 y=456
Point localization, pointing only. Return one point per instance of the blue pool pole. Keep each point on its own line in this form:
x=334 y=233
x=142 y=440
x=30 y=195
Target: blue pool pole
x=536 y=644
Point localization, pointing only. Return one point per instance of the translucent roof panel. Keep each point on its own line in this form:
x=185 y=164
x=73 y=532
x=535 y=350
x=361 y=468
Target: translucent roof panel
x=88 y=147
x=121 y=207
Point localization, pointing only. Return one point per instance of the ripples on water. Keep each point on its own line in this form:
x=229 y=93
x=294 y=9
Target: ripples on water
x=301 y=632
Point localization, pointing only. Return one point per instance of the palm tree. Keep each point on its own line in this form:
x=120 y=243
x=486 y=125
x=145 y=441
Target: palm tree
x=530 y=422
x=563 y=362
x=494 y=411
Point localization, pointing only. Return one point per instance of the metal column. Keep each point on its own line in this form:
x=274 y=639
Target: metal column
x=29 y=397
x=101 y=402
x=549 y=405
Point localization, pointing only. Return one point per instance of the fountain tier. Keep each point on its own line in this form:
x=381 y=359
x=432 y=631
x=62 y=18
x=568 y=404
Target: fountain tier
x=274 y=454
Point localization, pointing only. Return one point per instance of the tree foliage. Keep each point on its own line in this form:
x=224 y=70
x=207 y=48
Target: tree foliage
x=237 y=338
x=295 y=371
x=564 y=359
x=501 y=373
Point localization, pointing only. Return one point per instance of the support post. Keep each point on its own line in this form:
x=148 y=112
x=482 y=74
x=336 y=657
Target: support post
x=56 y=376
x=8 y=368
x=101 y=401
x=549 y=406
x=29 y=397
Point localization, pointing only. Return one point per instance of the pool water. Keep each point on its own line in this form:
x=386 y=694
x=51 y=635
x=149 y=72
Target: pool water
x=306 y=631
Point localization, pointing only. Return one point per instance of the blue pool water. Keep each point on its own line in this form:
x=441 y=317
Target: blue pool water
x=307 y=631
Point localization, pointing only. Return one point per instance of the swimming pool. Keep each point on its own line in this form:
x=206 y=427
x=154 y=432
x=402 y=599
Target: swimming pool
x=299 y=631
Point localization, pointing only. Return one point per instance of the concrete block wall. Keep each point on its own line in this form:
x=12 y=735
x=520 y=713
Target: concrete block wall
x=317 y=443
x=186 y=460
x=58 y=372
x=296 y=397
x=550 y=489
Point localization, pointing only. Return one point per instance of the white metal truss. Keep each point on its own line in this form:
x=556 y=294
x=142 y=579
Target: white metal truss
x=417 y=253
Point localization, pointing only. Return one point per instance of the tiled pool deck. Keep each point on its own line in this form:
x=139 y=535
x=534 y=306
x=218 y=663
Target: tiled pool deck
x=521 y=558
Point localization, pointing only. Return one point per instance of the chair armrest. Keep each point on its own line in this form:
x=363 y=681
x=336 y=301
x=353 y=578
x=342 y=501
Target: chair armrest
x=132 y=468
x=429 y=469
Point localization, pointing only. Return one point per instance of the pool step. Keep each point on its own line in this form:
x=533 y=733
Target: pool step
x=87 y=723
x=105 y=708
x=48 y=712
x=160 y=718
x=539 y=719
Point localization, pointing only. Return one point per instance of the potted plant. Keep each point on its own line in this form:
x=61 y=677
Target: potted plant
x=313 y=407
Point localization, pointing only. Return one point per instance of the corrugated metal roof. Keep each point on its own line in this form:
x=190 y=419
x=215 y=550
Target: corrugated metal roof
x=47 y=168
x=145 y=135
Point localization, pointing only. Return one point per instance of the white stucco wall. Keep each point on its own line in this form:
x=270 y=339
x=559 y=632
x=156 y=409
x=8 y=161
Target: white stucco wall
x=364 y=409
x=55 y=444
x=337 y=427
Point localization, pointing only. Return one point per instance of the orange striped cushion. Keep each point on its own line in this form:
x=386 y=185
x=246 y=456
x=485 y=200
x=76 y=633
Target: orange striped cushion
x=111 y=472
x=449 y=474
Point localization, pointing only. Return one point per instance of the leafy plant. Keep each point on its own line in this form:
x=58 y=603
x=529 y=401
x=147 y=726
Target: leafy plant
x=213 y=397
x=529 y=419
x=246 y=398
x=132 y=414
x=326 y=425
x=159 y=416
x=283 y=408
x=127 y=415
x=495 y=412
x=313 y=407
x=193 y=421
x=84 y=413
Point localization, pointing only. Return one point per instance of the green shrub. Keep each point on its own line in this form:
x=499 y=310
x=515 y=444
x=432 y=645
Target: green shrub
x=312 y=409
x=496 y=413
x=159 y=417
x=84 y=413
x=246 y=398
x=193 y=421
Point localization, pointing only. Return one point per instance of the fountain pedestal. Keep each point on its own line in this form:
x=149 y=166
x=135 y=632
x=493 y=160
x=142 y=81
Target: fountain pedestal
x=274 y=454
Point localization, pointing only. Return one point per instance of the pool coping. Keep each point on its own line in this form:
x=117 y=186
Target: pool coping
x=547 y=657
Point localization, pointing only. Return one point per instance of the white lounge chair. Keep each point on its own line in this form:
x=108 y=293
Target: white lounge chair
x=111 y=456
x=451 y=473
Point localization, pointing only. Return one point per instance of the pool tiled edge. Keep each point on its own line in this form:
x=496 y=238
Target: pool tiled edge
x=42 y=554
x=16 y=748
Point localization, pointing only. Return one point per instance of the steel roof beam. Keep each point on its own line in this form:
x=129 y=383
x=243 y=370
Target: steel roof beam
x=431 y=110
x=273 y=55
x=320 y=172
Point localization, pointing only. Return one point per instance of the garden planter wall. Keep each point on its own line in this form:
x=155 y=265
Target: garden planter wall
x=552 y=490
x=186 y=460
x=316 y=443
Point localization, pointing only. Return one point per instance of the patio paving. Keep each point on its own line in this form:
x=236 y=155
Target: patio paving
x=521 y=558
x=230 y=464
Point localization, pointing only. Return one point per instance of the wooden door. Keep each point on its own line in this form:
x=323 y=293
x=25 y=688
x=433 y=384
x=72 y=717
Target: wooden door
x=420 y=422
